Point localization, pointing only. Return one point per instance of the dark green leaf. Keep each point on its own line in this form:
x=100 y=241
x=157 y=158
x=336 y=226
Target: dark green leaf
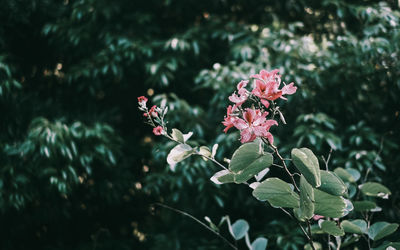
x=248 y=160
x=277 y=192
x=239 y=229
x=317 y=246
x=259 y=244
x=354 y=226
x=344 y=175
x=386 y=246
x=381 y=229
x=332 y=184
x=330 y=205
x=223 y=176
x=306 y=210
x=331 y=228
x=364 y=205
x=307 y=163
x=375 y=189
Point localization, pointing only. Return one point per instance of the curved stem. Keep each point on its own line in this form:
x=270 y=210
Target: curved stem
x=284 y=165
x=326 y=161
x=301 y=227
x=213 y=160
x=198 y=221
x=310 y=235
x=277 y=165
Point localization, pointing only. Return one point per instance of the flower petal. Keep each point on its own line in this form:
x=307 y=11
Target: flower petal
x=246 y=136
x=289 y=89
x=269 y=123
x=270 y=138
x=242 y=84
x=260 y=131
x=240 y=124
x=265 y=102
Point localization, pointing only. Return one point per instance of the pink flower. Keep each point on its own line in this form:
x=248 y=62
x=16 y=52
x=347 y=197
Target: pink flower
x=254 y=125
x=142 y=100
x=158 y=130
x=228 y=119
x=265 y=102
x=242 y=84
x=152 y=111
x=267 y=86
x=317 y=217
x=289 y=89
x=243 y=95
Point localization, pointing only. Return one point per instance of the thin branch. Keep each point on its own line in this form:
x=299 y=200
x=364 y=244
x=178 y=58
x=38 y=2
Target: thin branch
x=370 y=167
x=213 y=160
x=329 y=242
x=198 y=221
x=310 y=235
x=283 y=163
x=375 y=160
x=277 y=165
x=301 y=227
x=327 y=159
x=368 y=242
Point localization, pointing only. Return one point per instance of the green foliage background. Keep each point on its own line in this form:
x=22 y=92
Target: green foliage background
x=79 y=169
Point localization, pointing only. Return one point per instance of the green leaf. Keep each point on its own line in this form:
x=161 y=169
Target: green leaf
x=277 y=192
x=259 y=244
x=317 y=246
x=350 y=240
x=185 y=136
x=205 y=151
x=354 y=226
x=223 y=176
x=307 y=163
x=381 y=229
x=177 y=135
x=239 y=229
x=330 y=205
x=332 y=184
x=214 y=150
x=364 y=205
x=248 y=160
x=315 y=229
x=386 y=246
x=344 y=175
x=375 y=189
x=331 y=228
x=179 y=153
x=306 y=210
x=354 y=172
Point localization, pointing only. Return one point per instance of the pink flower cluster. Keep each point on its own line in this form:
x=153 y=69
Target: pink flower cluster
x=252 y=122
x=142 y=101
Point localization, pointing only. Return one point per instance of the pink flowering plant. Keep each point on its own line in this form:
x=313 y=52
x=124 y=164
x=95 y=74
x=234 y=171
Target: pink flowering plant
x=318 y=199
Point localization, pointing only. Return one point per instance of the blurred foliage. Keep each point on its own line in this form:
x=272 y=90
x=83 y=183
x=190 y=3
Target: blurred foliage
x=79 y=169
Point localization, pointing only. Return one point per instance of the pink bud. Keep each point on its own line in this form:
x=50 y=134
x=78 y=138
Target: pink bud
x=142 y=99
x=158 y=130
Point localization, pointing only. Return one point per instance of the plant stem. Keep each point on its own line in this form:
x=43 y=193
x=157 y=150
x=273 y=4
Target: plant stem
x=284 y=164
x=301 y=227
x=198 y=221
x=213 y=160
x=329 y=242
x=310 y=235
x=326 y=161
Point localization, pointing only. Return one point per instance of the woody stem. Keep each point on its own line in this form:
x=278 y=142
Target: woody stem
x=284 y=164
